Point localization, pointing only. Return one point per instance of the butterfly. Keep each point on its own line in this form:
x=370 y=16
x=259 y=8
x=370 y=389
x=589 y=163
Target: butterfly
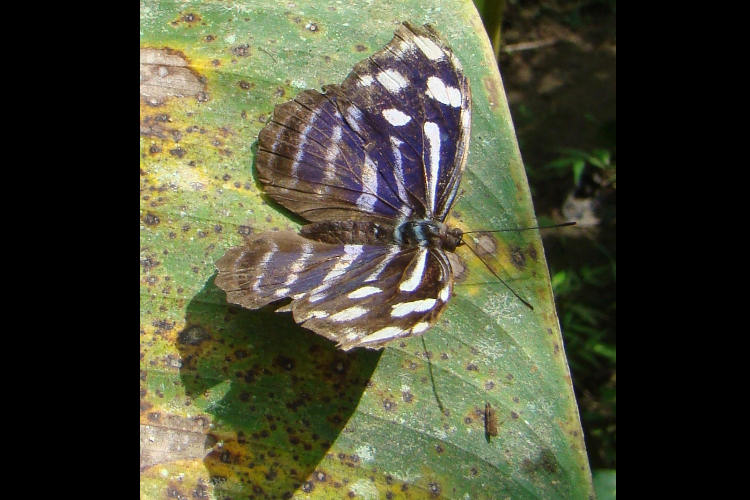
x=373 y=165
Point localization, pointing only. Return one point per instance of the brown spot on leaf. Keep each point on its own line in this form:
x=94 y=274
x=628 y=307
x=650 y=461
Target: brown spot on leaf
x=178 y=152
x=191 y=17
x=150 y=219
x=517 y=257
x=459 y=269
x=531 y=251
x=165 y=73
x=242 y=50
x=485 y=244
x=434 y=489
x=493 y=93
x=193 y=335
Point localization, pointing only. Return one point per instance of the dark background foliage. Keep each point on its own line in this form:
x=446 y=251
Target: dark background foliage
x=558 y=63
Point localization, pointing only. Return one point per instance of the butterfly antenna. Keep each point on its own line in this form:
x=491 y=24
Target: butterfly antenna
x=429 y=367
x=524 y=228
x=495 y=274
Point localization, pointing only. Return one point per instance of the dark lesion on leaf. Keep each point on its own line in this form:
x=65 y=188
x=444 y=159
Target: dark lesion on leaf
x=517 y=257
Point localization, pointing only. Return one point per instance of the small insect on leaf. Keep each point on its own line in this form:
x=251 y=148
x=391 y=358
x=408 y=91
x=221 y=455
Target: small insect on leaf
x=490 y=420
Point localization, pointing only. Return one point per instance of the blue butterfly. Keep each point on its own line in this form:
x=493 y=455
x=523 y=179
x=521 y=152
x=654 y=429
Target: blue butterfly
x=374 y=165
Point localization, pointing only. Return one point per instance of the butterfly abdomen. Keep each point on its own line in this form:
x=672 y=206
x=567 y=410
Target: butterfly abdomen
x=349 y=232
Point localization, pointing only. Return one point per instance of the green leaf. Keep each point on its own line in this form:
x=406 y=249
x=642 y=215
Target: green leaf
x=238 y=403
x=605 y=484
x=578 y=171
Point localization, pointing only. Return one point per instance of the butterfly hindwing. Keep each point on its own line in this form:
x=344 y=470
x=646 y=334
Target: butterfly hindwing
x=356 y=295
x=273 y=266
x=402 y=295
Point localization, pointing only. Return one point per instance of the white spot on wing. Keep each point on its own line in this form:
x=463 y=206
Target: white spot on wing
x=398 y=173
x=396 y=117
x=405 y=48
x=281 y=292
x=438 y=90
x=400 y=310
x=388 y=332
x=465 y=118
x=331 y=153
x=366 y=201
x=429 y=48
x=351 y=252
x=366 y=80
x=392 y=80
x=415 y=278
x=303 y=140
x=445 y=293
x=297 y=266
x=432 y=131
x=263 y=262
x=384 y=262
x=455 y=96
x=354 y=116
x=365 y=291
x=349 y=314
x=420 y=327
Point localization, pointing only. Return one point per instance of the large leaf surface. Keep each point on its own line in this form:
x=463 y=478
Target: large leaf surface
x=240 y=404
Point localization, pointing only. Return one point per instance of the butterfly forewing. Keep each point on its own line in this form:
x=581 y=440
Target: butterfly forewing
x=381 y=152
x=415 y=100
x=312 y=162
x=390 y=142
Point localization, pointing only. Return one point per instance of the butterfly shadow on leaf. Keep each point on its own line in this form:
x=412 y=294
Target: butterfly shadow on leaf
x=277 y=395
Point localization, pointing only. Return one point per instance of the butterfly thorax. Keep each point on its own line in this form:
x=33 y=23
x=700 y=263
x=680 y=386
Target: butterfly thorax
x=427 y=232
x=410 y=233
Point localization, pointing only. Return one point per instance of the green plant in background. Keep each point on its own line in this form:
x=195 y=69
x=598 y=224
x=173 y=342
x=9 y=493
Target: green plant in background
x=576 y=160
x=491 y=12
